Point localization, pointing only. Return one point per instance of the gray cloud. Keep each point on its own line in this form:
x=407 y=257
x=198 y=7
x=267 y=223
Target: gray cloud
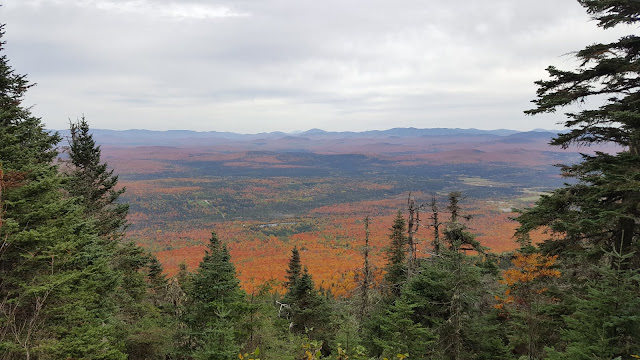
x=253 y=66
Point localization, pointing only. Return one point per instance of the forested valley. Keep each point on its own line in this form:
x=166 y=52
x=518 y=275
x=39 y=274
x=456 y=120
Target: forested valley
x=73 y=285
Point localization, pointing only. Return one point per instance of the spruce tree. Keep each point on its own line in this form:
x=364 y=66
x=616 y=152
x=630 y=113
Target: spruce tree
x=606 y=321
x=216 y=305
x=24 y=142
x=294 y=271
x=396 y=256
x=93 y=183
x=449 y=296
x=601 y=206
x=147 y=322
x=158 y=283
x=398 y=333
x=145 y=330
x=597 y=214
x=55 y=279
x=309 y=311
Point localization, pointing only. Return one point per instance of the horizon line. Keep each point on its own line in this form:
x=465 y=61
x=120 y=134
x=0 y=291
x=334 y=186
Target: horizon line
x=298 y=132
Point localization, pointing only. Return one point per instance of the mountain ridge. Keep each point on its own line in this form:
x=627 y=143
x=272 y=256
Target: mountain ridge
x=143 y=137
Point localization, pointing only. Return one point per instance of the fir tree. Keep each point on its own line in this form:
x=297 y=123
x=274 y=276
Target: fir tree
x=396 y=256
x=24 y=142
x=606 y=321
x=601 y=206
x=56 y=283
x=93 y=183
x=145 y=330
x=309 y=311
x=294 y=271
x=449 y=297
x=216 y=304
x=158 y=283
x=397 y=333
x=214 y=282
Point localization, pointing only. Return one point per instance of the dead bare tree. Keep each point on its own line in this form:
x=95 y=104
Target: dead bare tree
x=435 y=224
x=413 y=224
x=21 y=318
x=364 y=305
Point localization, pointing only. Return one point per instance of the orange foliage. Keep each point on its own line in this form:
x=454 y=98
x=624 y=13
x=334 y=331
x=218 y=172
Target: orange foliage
x=522 y=278
x=331 y=249
x=528 y=268
x=332 y=253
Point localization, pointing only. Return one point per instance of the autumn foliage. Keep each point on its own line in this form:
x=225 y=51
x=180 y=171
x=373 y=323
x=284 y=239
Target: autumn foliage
x=330 y=240
x=524 y=278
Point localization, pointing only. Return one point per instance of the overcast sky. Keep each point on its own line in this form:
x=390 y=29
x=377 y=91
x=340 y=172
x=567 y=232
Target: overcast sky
x=284 y=65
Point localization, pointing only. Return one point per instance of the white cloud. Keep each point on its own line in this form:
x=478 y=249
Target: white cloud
x=148 y=8
x=257 y=65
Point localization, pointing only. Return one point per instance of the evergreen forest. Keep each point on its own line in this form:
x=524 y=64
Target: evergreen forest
x=73 y=287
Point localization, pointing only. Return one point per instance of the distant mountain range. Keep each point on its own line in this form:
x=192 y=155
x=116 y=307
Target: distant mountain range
x=189 y=138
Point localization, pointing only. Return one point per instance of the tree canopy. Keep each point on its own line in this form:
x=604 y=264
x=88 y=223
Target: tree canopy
x=601 y=207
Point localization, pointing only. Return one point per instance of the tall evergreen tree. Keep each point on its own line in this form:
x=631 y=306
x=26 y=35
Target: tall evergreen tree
x=396 y=256
x=145 y=330
x=398 y=333
x=606 y=322
x=55 y=278
x=158 y=283
x=93 y=183
x=600 y=209
x=309 y=311
x=24 y=142
x=216 y=305
x=602 y=205
x=294 y=271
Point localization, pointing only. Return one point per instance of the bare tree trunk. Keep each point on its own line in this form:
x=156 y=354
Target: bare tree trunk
x=412 y=227
x=435 y=224
x=364 y=306
x=454 y=206
x=20 y=326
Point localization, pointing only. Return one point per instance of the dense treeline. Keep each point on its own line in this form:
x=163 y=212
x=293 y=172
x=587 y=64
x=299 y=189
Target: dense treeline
x=72 y=288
